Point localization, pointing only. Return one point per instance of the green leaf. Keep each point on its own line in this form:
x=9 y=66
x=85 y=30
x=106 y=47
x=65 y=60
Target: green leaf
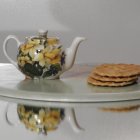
x=58 y=67
x=47 y=74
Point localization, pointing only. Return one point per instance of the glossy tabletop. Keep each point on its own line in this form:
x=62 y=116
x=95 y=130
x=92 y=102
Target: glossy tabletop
x=71 y=88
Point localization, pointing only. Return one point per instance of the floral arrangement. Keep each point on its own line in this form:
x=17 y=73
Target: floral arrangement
x=40 y=119
x=41 y=57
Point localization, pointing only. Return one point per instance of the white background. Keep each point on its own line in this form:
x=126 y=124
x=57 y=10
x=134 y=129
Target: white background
x=110 y=26
x=112 y=29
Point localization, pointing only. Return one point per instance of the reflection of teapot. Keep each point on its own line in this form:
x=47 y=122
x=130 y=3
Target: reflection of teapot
x=40 y=119
x=42 y=56
x=44 y=86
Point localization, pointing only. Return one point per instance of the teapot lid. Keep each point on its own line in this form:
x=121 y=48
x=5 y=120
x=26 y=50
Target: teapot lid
x=43 y=33
x=42 y=38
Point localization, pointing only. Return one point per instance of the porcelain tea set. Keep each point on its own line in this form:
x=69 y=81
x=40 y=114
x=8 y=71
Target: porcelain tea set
x=40 y=119
x=42 y=56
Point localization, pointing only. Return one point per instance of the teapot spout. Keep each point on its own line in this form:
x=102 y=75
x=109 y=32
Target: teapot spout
x=71 y=52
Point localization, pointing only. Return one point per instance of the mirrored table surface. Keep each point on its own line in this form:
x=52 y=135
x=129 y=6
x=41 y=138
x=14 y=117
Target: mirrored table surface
x=71 y=89
x=73 y=106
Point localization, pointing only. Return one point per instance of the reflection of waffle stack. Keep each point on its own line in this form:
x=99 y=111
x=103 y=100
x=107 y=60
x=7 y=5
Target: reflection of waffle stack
x=114 y=75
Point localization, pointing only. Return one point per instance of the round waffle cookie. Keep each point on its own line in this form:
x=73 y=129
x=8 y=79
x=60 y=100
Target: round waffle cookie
x=113 y=79
x=121 y=109
x=117 y=70
x=109 y=83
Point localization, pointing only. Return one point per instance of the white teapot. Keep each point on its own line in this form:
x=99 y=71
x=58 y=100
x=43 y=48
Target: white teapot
x=42 y=56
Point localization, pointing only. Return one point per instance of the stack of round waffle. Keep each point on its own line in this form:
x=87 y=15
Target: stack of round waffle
x=114 y=75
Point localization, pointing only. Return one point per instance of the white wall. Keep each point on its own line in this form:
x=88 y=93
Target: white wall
x=110 y=26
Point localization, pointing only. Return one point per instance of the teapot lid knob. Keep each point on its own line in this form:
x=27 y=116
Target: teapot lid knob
x=43 y=33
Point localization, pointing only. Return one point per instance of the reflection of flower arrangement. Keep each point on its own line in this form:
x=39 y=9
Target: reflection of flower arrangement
x=41 y=57
x=40 y=119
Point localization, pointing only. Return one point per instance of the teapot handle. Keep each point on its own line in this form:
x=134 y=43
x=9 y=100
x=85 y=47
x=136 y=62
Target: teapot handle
x=5 y=48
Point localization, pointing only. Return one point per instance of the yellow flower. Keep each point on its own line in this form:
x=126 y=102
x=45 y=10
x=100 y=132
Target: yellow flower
x=50 y=55
x=48 y=61
x=34 y=42
x=42 y=62
x=52 y=41
x=55 y=114
x=54 y=53
x=31 y=52
x=28 y=46
x=23 y=59
x=56 y=60
x=25 y=48
x=38 y=57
